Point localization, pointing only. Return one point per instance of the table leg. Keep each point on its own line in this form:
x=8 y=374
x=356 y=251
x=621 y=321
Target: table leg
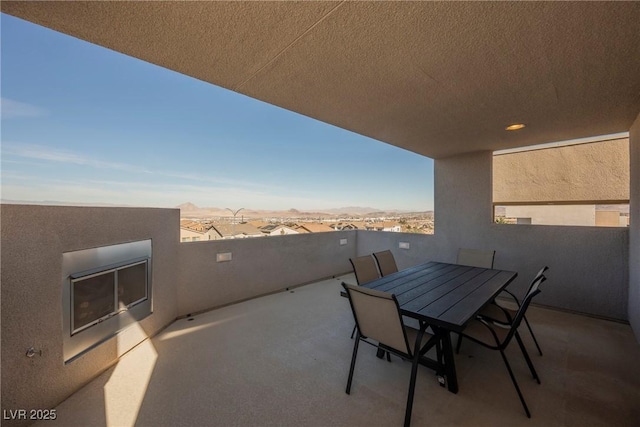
x=449 y=362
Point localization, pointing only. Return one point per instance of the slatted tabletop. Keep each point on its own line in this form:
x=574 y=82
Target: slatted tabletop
x=444 y=295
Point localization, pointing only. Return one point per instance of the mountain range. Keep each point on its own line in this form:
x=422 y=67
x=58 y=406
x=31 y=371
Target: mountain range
x=189 y=209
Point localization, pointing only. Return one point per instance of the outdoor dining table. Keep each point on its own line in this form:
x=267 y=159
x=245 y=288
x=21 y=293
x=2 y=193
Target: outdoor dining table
x=444 y=297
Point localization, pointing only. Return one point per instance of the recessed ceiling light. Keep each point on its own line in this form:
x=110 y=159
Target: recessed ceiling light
x=515 y=126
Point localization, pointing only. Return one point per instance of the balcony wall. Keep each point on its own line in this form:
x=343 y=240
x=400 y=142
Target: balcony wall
x=589 y=265
x=258 y=266
x=33 y=241
x=634 y=228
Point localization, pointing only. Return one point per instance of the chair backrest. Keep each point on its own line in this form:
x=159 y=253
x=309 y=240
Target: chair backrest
x=377 y=316
x=386 y=262
x=476 y=257
x=540 y=273
x=533 y=291
x=538 y=276
x=365 y=269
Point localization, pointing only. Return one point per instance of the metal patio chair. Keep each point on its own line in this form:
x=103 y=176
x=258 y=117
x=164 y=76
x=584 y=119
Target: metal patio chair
x=505 y=312
x=476 y=257
x=366 y=270
x=378 y=317
x=498 y=337
x=386 y=262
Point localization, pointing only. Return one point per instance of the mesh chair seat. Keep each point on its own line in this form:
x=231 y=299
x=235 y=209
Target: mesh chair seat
x=386 y=262
x=365 y=269
x=476 y=257
x=498 y=313
x=481 y=332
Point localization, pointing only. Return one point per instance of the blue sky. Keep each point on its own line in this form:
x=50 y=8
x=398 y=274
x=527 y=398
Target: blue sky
x=83 y=124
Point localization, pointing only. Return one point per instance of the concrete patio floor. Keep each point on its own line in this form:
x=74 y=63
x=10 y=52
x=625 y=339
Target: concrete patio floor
x=283 y=360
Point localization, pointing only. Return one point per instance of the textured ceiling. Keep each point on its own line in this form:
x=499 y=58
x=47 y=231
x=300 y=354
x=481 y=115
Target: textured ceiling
x=435 y=78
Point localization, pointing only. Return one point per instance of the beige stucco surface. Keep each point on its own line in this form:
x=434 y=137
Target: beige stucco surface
x=258 y=266
x=588 y=265
x=33 y=241
x=577 y=173
x=436 y=78
x=555 y=214
x=634 y=229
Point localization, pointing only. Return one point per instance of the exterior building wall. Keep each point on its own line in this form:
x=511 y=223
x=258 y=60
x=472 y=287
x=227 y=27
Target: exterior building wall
x=283 y=230
x=610 y=219
x=33 y=241
x=597 y=171
x=190 y=234
x=634 y=229
x=555 y=214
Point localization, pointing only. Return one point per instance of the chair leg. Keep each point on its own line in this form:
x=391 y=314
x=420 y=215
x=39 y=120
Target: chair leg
x=412 y=382
x=527 y=358
x=353 y=362
x=353 y=332
x=532 y=335
x=515 y=383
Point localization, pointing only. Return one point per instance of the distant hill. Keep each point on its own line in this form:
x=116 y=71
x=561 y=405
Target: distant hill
x=190 y=210
x=355 y=210
x=187 y=207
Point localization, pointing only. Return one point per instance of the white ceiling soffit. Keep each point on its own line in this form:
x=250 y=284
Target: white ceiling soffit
x=436 y=78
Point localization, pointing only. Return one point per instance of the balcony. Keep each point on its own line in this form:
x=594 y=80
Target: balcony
x=283 y=359
x=439 y=79
x=267 y=355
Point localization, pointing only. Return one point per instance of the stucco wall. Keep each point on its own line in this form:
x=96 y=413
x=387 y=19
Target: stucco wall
x=596 y=171
x=33 y=240
x=422 y=247
x=589 y=265
x=258 y=266
x=634 y=229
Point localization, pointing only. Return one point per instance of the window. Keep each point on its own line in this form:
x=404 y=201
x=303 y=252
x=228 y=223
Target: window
x=575 y=183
